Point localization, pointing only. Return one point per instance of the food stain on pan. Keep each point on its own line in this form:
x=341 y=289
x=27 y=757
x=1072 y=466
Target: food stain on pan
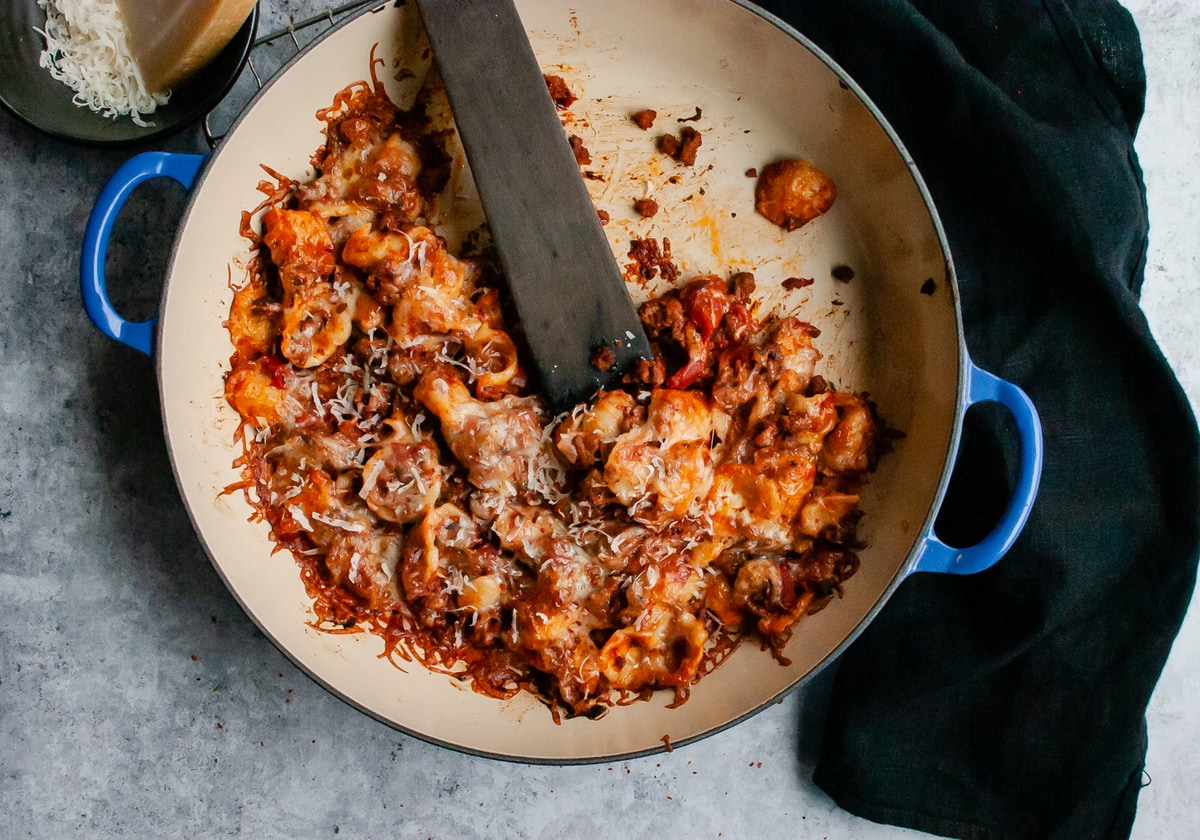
x=221 y=505
x=627 y=167
x=710 y=227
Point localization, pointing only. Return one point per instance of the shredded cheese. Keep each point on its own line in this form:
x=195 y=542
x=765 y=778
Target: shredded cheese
x=370 y=475
x=87 y=50
x=343 y=524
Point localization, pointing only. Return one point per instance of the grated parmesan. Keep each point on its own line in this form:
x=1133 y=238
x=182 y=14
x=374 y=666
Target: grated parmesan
x=370 y=475
x=88 y=51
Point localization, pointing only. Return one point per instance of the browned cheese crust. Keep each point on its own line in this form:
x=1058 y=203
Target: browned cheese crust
x=791 y=193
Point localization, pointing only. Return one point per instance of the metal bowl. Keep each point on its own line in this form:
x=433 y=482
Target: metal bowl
x=37 y=98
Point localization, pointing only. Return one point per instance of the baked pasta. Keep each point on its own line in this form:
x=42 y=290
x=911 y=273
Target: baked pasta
x=395 y=446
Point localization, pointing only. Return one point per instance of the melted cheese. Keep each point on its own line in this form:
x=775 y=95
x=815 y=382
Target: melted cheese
x=659 y=468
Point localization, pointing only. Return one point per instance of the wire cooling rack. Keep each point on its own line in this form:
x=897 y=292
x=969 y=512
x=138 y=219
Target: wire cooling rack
x=268 y=54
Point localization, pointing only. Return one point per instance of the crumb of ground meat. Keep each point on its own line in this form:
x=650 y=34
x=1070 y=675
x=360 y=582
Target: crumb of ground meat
x=791 y=193
x=645 y=255
x=582 y=155
x=604 y=357
x=593 y=492
x=559 y=92
x=842 y=272
x=604 y=217
x=682 y=148
x=742 y=285
x=645 y=207
x=752 y=172
x=648 y=373
x=649 y=260
x=797 y=283
x=664 y=317
x=645 y=118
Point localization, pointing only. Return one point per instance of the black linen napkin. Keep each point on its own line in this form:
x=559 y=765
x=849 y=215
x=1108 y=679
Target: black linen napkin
x=1011 y=704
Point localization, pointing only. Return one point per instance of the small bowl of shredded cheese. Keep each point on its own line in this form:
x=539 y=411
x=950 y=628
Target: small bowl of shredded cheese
x=74 y=69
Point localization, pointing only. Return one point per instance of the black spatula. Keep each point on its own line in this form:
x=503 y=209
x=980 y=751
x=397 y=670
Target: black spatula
x=568 y=290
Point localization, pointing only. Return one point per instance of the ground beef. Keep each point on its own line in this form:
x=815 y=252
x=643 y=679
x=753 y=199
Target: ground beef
x=644 y=119
x=742 y=285
x=645 y=207
x=682 y=148
x=646 y=373
x=582 y=155
x=793 y=283
x=664 y=317
x=604 y=357
x=559 y=92
x=649 y=260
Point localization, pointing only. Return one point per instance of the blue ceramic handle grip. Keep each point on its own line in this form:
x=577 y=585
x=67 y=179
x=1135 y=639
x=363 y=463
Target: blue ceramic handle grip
x=935 y=555
x=181 y=167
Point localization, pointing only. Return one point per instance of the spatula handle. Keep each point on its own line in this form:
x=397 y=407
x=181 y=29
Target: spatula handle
x=564 y=279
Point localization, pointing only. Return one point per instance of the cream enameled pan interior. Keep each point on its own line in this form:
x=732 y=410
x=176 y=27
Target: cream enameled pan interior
x=762 y=94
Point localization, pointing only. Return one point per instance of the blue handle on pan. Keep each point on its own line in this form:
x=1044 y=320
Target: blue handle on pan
x=183 y=168
x=935 y=555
